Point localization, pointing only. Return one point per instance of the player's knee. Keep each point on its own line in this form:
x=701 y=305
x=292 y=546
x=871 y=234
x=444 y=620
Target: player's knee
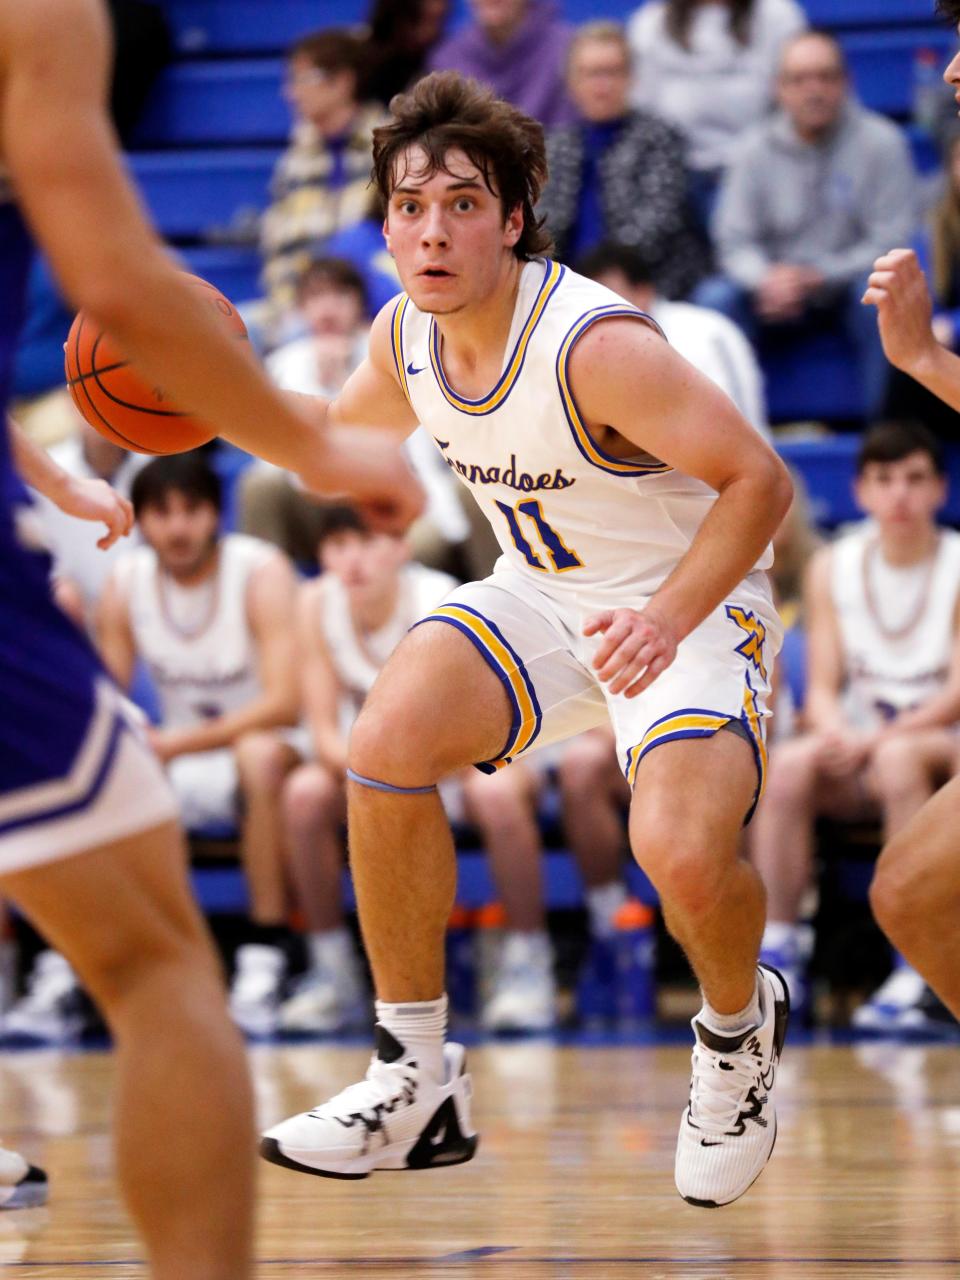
x=681 y=860
x=792 y=773
x=261 y=760
x=584 y=766
x=896 y=766
x=906 y=890
x=128 y=966
x=396 y=748
x=311 y=796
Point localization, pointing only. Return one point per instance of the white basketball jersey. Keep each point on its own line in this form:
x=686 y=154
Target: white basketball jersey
x=569 y=516
x=210 y=668
x=897 y=625
x=357 y=660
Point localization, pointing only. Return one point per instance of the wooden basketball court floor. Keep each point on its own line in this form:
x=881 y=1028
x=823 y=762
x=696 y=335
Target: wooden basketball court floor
x=573 y=1178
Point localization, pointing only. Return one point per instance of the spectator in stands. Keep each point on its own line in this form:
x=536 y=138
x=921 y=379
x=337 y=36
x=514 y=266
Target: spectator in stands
x=321 y=181
x=78 y=563
x=617 y=174
x=212 y=619
x=709 y=67
x=711 y=342
x=519 y=48
x=812 y=196
x=883 y=696
x=331 y=300
x=402 y=33
x=350 y=620
x=362 y=244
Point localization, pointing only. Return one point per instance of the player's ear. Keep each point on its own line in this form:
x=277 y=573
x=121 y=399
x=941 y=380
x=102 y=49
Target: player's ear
x=513 y=228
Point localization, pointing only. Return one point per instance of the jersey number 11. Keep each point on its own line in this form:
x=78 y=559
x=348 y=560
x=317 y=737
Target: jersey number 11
x=560 y=555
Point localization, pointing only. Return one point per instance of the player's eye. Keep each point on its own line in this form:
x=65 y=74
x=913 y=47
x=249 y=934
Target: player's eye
x=464 y=204
x=408 y=207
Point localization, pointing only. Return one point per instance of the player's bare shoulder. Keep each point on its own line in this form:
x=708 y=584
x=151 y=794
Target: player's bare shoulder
x=373 y=395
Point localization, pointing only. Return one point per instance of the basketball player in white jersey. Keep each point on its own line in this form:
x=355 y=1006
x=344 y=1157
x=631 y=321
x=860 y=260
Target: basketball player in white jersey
x=883 y=694
x=634 y=507
x=212 y=618
x=351 y=619
x=915 y=893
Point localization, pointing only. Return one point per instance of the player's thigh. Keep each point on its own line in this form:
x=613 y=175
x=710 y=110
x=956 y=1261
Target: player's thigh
x=485 y=677
x=117 y=911
x=692 y=746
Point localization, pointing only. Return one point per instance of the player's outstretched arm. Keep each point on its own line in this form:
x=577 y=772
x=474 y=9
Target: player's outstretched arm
x=898 y=289
x=624 y=376
x=62 y=155
x=87 y=499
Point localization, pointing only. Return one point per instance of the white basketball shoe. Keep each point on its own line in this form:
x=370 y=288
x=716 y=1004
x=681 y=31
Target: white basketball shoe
x=22 y=1185
x=729 y=1126
x=397 y=1117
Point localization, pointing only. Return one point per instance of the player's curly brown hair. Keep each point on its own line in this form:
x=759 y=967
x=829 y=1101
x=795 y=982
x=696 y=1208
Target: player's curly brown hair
x=447 y=112
x=949 y=10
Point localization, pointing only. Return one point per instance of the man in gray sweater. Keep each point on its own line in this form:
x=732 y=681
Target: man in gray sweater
x=813 y=195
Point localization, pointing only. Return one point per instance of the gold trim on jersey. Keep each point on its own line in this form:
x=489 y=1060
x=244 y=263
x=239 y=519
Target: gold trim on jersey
x=582 y=438
x=396 y=337
x=508 y=379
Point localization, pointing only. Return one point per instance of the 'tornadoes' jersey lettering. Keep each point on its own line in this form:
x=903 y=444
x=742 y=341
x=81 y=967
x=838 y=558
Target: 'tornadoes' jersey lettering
x=565 y=512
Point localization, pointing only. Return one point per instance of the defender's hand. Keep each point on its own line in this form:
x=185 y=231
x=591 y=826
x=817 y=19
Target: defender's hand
x=95 y=500
x=898 y=289
x=635 y=648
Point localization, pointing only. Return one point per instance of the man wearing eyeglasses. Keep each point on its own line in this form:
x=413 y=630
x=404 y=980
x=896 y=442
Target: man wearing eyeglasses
x=814 y=194
x=321 y=182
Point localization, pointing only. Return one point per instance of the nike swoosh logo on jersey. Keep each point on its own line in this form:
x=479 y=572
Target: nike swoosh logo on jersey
x=412 y=370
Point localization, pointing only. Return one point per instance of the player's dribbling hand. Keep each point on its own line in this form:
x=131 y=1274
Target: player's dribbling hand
x=898 y=289
x=95 y=500
x=635 y=649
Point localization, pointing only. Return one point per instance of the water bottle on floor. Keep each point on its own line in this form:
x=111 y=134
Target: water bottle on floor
x=635 y=949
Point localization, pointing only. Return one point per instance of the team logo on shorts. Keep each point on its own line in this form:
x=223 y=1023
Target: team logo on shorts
x=752 y=647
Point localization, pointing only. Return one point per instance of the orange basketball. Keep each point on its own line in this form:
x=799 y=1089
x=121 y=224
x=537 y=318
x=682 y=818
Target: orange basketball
x=122 y=404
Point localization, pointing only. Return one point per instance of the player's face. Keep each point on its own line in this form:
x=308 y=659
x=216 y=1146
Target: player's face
x=331 y=310
x=952 y=75
x=494 y=14
x=183 y=532
x=447 y=233
x=366 y=564
x=813 y=84
x=598 y=79
x=904 y=495
x=315 y=94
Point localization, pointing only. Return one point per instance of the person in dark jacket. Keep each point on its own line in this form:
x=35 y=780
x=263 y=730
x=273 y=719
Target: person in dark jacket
x=619 y=175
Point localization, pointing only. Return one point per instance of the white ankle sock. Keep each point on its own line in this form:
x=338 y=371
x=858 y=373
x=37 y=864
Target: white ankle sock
x=420 y=1027
x=729 y=1024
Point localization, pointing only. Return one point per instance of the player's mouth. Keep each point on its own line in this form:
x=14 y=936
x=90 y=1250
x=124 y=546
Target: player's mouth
x=435 y=273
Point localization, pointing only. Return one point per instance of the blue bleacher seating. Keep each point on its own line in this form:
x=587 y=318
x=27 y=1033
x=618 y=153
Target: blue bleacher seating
x=238 y=102
x=811 y=378
x=191 y=192
x=867 y=13
x=827 y=465
x=253 y=26
x=881 y=63
x=235 y=271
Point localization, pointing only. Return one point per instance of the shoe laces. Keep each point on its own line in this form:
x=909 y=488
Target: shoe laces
x=719 y=1087
x=385 y=1086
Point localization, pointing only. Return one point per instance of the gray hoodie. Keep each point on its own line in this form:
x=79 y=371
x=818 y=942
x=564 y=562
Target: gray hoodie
x=835 y=205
